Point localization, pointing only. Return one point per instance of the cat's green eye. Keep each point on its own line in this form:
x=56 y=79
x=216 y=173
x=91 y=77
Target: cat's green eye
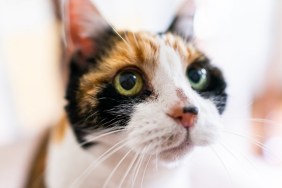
x=198 y=77
x=128 y=82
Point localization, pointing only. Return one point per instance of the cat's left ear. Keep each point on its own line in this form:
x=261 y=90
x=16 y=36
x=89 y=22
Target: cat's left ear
x=83 y=25
x=183 y=22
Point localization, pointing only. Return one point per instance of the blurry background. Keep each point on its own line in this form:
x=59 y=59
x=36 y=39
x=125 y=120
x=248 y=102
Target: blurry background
x=243 y=37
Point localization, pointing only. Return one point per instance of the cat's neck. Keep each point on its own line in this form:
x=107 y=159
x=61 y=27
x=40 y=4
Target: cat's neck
x=69 y=165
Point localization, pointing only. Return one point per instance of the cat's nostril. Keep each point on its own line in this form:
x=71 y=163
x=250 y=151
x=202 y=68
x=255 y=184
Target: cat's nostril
x=191 y=109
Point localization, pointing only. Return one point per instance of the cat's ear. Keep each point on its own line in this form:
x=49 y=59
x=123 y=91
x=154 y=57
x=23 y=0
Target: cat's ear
x=83 y=24
x=183 y=22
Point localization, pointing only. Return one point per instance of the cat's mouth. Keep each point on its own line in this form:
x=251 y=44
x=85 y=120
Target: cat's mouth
x=178 y=151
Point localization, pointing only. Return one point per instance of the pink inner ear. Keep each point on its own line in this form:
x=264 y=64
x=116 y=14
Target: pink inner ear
x=78 y=10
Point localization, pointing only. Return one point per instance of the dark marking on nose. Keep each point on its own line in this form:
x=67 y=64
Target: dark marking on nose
x=191 y=109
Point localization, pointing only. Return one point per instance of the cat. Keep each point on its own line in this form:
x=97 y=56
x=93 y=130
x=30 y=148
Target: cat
x=137 y=104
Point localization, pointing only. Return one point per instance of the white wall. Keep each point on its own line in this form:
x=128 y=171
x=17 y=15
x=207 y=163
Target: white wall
x=29 y=48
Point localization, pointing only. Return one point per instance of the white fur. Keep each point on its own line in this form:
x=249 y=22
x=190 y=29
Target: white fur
x=150 y=132
x=67 y=162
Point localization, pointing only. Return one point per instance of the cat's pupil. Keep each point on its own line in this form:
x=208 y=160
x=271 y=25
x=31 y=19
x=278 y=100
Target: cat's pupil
x=127 y=80
x=195 y=74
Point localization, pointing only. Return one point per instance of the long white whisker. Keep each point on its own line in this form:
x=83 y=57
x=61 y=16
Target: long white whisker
x=116 y=167
x=241 y=133
x=128 y=170
x=138 y=167
x=100 y=136
x=257 y=120
x=144 y=172
x=157 y=161
x=247 y=137
x=223 y=164
x=115 y=30
x=257 y=143
x=100 y=159
x=108 y=123
x=90 y=116
x=234 y=155
x=134 y=168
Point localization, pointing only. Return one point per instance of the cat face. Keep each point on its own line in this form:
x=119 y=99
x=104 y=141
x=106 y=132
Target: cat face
x=160 y=92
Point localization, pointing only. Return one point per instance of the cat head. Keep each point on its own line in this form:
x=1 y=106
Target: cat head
x=156 y=93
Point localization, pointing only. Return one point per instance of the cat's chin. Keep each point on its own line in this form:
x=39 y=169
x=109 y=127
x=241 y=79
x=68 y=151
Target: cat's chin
x=174 y=155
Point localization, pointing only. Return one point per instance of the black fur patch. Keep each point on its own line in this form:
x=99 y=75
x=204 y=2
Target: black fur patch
x=217 y=85
x=112 y=110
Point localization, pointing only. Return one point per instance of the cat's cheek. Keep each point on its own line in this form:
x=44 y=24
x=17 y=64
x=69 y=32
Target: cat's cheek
x=207 y=128
x=207 y=134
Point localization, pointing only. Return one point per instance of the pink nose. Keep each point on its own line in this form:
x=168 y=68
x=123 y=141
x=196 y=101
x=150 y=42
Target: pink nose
x=186 y=115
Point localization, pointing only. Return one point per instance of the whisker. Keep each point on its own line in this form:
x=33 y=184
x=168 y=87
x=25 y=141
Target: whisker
x=108 y=123
x=242 y=133
x=230 y=152
x=263 y=146
x=234 y=155
x=100 y=159
x=223 y=164
x=134 y=168
x=257 y=120
x=100 y=136
x=157 y=161
x=257 y=143
x=138 y=167
x=116 y=167
x=115 y=30
x=90 y=116
x=105 y=132
x=128 y=170
x=144 y=172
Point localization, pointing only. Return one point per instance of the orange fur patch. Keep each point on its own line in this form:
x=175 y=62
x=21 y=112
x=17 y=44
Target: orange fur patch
x=187 y=51
x=140 y=51
x=59 y=130
x=37 y=170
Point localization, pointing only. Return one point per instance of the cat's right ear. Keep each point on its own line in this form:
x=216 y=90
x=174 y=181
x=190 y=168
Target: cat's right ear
x=82 y=25
x=183 y=23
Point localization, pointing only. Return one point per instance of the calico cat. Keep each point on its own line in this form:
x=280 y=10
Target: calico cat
x=137 y=103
